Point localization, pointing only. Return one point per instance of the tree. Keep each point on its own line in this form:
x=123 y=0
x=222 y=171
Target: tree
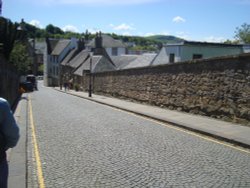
x=51 y=29
x=8 y=35
x=242 y=34
x=20 y=58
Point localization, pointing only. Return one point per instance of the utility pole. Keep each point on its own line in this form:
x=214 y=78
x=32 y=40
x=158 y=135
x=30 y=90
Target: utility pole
x=90 y=75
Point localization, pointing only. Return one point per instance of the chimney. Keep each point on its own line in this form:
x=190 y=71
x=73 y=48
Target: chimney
x=98 y=40
x=81 y=44
x=49 y=48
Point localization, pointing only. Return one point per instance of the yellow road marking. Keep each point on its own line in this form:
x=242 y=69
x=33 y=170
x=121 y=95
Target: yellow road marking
x=186 y=131
x=36 y=150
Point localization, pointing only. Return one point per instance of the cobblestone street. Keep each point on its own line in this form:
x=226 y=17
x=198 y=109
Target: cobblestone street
x=85 y=144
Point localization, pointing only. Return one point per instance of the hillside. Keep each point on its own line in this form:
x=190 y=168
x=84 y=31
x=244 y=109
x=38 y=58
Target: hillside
x=165 y=38
x=151 y=43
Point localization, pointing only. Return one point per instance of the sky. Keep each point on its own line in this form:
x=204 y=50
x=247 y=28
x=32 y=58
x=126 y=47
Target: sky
x=195 y=20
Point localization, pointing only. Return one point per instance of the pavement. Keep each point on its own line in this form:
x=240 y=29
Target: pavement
x=17 y=156
x=226 y=131
x=230 y=132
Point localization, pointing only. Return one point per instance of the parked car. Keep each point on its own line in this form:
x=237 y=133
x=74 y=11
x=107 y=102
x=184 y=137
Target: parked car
x=26 y=86
x=31 y=78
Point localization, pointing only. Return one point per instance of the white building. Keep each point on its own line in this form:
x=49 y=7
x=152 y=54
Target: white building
x=56 y=52
x=187 y=50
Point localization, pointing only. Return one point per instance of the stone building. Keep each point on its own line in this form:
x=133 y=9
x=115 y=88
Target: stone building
x=57 y=50
x=82 y=61
x=113 y=47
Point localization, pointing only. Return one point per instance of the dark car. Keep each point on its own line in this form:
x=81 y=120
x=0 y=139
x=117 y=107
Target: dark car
x=27 y=86
x=32 y=79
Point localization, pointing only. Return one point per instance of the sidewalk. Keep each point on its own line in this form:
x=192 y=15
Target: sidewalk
x=226 y=131
x=17 y=155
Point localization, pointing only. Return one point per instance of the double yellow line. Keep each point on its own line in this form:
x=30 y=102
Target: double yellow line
x=207 y=138
x=36 y=149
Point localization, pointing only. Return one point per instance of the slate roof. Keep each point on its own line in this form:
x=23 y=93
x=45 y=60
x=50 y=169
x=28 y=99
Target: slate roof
x=123 y=60
x=60 y=46
x=144 y=60
x=70 y=56
x=162 y=57
x=51 y=44
x=197 y=43
x=86 y=64
x=108 y=42
x=78 y=59
x=40 y=47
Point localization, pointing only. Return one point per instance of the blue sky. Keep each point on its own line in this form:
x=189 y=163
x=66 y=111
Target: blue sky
x=198 y=20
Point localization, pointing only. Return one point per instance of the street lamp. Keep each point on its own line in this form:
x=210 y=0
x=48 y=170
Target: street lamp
x=34 y=67
x=90 y=74
x=21 y=30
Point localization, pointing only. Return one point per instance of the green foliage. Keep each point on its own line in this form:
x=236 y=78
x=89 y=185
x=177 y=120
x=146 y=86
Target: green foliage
x=51 y=29
x=144 y=48
x=242 y=33
x=40 y=69
x=141 y=43
x=20 y=58
x=8 y=35
x=231 y=41
x=165 y=38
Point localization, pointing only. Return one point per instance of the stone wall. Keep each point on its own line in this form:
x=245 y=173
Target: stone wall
x=218 y=87
x=9 y=82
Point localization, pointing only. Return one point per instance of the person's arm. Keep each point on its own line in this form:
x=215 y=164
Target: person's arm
x=9 y=128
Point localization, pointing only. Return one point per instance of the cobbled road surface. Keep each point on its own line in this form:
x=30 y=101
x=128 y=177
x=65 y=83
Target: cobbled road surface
x=86 y=144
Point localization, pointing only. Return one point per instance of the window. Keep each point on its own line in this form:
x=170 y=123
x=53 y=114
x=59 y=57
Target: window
x=114 y=51
x=171 y=58
x=197 y=56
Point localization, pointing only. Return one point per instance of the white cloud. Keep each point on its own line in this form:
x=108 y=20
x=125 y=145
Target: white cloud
x=122 y=27
x=36 y=23
x=93 y=30
x=164 y=33
x=70 y=28
x=152 y=34
x=178 y=19
x=214 y=39
x=160 y=33
x=126 y=34
x=184 y=35
x=149 y=34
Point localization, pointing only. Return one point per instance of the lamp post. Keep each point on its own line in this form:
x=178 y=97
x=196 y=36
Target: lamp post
x=34 y=66
x=90 y=75
x=21 y=30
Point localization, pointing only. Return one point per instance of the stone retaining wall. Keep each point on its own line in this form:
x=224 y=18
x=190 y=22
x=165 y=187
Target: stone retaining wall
x=9 y=82
x=218 y=87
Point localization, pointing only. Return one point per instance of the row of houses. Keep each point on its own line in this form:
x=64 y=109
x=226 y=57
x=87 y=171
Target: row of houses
x=69 y=60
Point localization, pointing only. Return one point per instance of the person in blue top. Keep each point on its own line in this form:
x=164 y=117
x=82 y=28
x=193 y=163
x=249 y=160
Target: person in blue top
x=9 y=135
